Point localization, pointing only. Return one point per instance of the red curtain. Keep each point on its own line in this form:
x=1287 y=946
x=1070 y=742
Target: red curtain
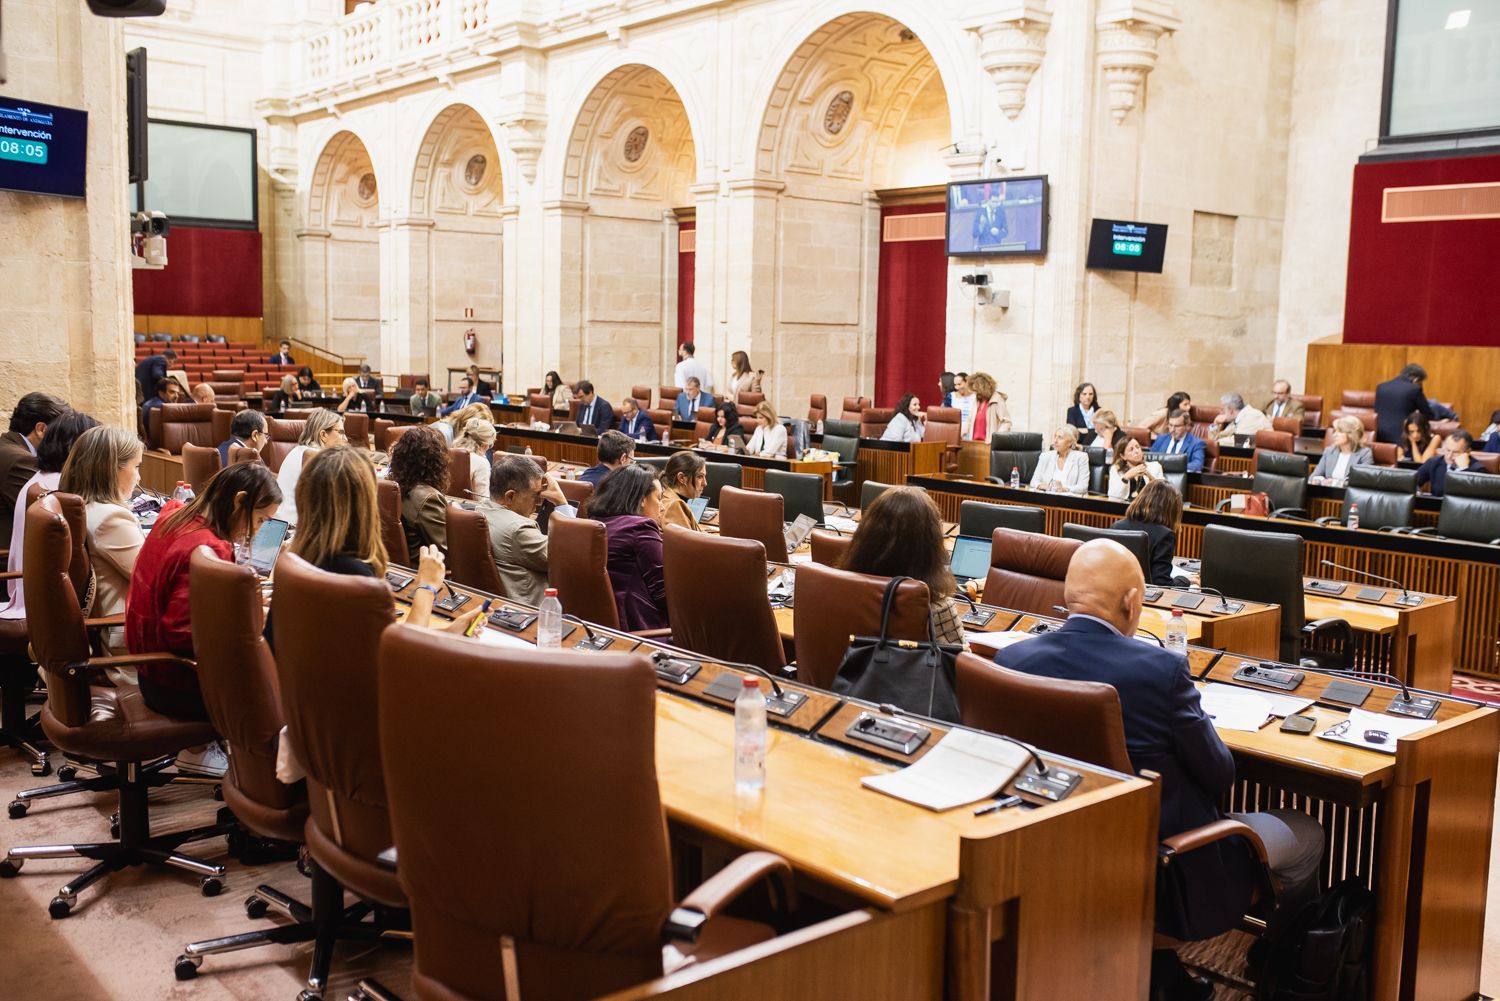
x=209 y=272
x=686 y=276
x=911 y=314
x=1422 y=282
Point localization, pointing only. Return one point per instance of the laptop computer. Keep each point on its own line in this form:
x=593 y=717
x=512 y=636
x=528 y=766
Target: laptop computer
x=698 y=505
x=797 y=532
x=971 y=558
x=266 y=546
x=566 y=427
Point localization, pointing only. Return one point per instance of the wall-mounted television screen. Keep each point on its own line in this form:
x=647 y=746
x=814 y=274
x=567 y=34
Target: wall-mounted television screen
x=1001 y=217
x=42 y=148
x=1117 y=245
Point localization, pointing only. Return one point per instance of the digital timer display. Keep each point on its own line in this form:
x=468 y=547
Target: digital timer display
x=42 y=148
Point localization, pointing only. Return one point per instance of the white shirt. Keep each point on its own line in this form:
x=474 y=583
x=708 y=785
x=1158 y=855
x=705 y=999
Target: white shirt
x=1074 y=475
x=1119 y=487
x=902 y=428
x=965 y=404
x=15 y=608
x=691 y=366
x=768 y=440
x=286 y=479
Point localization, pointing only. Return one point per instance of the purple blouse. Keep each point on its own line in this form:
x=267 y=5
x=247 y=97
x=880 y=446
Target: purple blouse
x=635 y=571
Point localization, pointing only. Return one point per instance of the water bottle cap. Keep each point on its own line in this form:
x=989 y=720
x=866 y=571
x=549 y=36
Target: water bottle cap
x=1176 y=613
x=551 y=592
x=750 y=682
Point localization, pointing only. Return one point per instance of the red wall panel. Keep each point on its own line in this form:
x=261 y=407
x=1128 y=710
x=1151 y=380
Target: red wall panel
x=687 y=274
x=911 y=318
x=209 y=272
x=1422 y=282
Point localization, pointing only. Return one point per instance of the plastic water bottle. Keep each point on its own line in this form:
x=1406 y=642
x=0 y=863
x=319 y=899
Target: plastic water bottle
x=750 y=738
x=1015 y=477
x=1353 y=515
x=549 y=621
x=184 y=493
x=820 y=427
x=1177 y=633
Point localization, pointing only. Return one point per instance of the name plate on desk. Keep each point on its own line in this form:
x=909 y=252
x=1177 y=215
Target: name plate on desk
x=1371 y=594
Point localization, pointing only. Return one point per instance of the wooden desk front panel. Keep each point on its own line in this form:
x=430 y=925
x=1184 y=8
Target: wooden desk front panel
x=894 y=465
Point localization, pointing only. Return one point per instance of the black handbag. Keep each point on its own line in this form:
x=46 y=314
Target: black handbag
x=911 y=675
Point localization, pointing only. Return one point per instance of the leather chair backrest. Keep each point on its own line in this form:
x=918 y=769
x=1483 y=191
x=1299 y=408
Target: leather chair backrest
x=54 y=618
x=240 y=690
x=846 y=447
x=1081 y=719
x=754 y=514
x=840 y=428
x=943 y=425
x=1365 y=417
x=395 y=433
x=1027 y=570
x=642 y=396
x=1210 y=456
x=705 y=415
x=1258 y=566
x=199 y=465
x=578 y=566
x=817 y=409
x=512 y=846
x=873 y=421
x=1274 y=441
x=749 y=401
x=332 y=710
x=732 y=618
x=1385 y=453
x=1487 y=461
x=1205 y=413
x=828 y=548
x=979 y=519
x=1003 y=460
x=668 y=395
x=409 y=380
x=1098 y=469
x=388 y=502
x=244 y=453
x=458 y=474
x=541 y=408
x=171 y=425
x=720 y=475
x=469 y=559
x=663 y=421
x=657 y=463
x=1142 y=435
x=1358 y=398
x=802 y=493
x=833 y=605
x=1283 y=477
x=853 y=408
x=871 y=489
x=1470 y=511
x=282 y=437
x=1173 y=469
x=357 y=429
x=221 y=420
x=1016 y=441
x=1386 y=497
x=1291 y=425
x=1138 y=543
x=1442 y=429
x=226 y=390
x=379 y=427
x=1312 y=409
x=577 y=491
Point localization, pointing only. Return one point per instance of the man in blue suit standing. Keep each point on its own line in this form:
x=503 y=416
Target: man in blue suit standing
x=1167 y=731
x=1180 y=440
x=593 y=410
x=690 y=399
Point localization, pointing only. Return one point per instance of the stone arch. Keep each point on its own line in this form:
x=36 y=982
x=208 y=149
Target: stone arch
x=338 y=190
x=456 y=142
x=627 y=98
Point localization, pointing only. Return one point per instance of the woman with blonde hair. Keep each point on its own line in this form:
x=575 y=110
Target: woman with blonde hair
x=743 y=379
x=103 y=469
x=1065 y=467
x=769 y=438
x=477 y=438
x=283 y=398
x=449 y=426
x=1346 y=449
x=1107 y=433
x=989 y=415
x=322 y=429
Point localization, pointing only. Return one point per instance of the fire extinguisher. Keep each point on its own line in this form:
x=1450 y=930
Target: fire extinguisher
x=471 y=342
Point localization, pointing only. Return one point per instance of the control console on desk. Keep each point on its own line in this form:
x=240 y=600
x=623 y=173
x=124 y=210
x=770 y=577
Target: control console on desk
x=1372 y=691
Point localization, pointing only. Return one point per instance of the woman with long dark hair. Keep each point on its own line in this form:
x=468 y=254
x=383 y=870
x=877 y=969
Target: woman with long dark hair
x=419 y=466
x=726 y=424
x=628 y=503
x=901 y=535
x=907 y=423
x=685 y=476
x=1081 y=413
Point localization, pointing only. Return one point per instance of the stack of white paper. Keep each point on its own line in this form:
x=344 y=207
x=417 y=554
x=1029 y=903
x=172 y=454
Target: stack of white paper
x=1361 y=721
x=497 y=637
x=840 y=523
x=1236 y=708
x=963 y=767
x=1281 y=704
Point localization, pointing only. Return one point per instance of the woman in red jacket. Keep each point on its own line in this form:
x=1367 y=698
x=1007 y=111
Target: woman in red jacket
x=231 y=509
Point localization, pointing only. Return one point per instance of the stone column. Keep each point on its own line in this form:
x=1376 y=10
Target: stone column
x=406 y=343
x=561 y=334
x=710 y=263
x=518 y=370
x=750 y=279
x=310 y=323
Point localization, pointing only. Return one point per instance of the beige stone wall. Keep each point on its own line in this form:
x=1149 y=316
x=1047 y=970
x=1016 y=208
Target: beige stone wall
x=66 y=324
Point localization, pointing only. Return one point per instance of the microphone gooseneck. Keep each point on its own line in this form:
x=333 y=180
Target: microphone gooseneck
x=1372 y=576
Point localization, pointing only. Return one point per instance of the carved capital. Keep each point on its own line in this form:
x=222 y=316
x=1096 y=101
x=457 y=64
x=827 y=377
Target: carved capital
x=525 y=136
x=1011 y=46
x=1128 y=31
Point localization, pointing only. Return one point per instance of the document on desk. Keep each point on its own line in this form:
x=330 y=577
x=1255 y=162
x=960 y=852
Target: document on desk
x=962 y=768
x=840 y=523
x=1236 y=708
x=1281 y=705
x=497 y=637
x=1353 y=731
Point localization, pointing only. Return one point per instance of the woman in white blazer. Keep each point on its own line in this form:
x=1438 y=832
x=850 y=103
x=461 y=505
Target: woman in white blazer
x=1347 y=450
x=1065 y=469
x=1130 y=473
x=769 y=438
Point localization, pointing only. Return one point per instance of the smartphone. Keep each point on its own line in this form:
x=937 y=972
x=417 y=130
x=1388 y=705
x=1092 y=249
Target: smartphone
x=1298 y=724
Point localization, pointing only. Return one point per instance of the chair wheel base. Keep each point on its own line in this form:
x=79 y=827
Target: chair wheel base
x=211 y=886
x=17 y=809
x=59 y=908
x=10 y=868
x=41 y=768
x=186 y=967
x=256 y=907
x=67 y=773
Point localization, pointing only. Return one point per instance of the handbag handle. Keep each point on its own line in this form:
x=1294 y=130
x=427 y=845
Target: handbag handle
x=887 y=606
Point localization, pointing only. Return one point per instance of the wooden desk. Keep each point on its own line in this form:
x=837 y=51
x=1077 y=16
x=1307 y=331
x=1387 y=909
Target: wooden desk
x=932 y=905
x=1413 y=642
x=893 y=461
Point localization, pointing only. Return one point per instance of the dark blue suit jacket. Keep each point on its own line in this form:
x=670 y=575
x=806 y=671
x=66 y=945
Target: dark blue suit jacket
x=604 y=415
x=1167 y=732
x=683 y=412
x=224 y=447
x=149 y=371
x=459 y=403
x=1394 y=402
x=595 y=474
x=1193 y=449
x=640 y=427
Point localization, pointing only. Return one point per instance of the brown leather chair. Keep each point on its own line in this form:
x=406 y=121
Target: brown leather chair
x=577 y=561
x=662 y=419
x=541 y=407
x=828 y=548
x=244 y=453
x=199 y=465
x=833 y=605
x=99 y=722
x=458 y=474
x=541 y=893
x=379 y=427
x=1203 y=417
x=1312 y=409
x=817 y=408
x=1365 y=417
x=872 y=421
x=281 y=438
x=234 y=375
x=1026 y=571
x=853 y=408
x=1385 y=453
x=668 y=396
x=732 y=618
x=754 y=514
x=225 y=392
x=396 y=432
x=1291 y=425
x=1210 y=455
x=642 y=396
x=243 y=698
x=388 y=501
x=1273 y=441
x=944 y=424
x=1142 y=435
x=469 y=559
x=1487 y=461
x=1358 y=399
x=332 y=709
x=221 y=420
x=749 y=401
x=576 y=491
x=171 y=425
x=357 y=429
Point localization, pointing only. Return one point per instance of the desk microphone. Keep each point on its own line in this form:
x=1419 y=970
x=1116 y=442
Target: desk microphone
x=1223 y=601
x=1143 y=629
x=737 y=665
x=1422 y=709
x=1406 y=597
x=1036 y=758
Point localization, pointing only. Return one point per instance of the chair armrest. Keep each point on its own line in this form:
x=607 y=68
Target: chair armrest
x=719 y=891
x=94 y=665
x=1331 y=519
x=1208 y=834
x=654 y=634
x=1296 y=513
x=10 y=575
x=105 y=622
x=995 y=479
x=1222 y=504
x=1429 y=532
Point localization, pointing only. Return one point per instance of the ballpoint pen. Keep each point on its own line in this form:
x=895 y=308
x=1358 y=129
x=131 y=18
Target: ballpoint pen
x=1000 y=804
